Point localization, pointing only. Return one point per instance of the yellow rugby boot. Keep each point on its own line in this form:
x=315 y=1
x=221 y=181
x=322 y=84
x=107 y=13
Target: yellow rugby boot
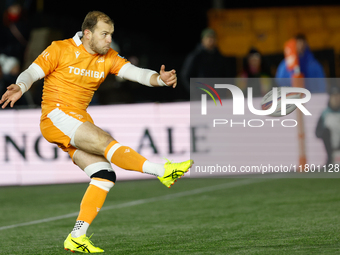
x=81 y=244
x=173 y=171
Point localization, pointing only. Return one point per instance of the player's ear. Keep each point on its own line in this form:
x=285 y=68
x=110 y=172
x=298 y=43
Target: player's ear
x=87 y=34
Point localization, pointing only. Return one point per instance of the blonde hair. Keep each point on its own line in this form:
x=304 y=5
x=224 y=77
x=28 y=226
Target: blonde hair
x=92 y=19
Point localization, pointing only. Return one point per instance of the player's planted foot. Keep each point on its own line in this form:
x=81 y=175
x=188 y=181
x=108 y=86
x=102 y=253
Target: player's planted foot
x=81 y=244
x=173 y=171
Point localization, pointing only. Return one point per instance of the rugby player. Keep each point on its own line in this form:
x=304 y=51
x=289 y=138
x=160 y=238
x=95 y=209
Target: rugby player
x=73 y=70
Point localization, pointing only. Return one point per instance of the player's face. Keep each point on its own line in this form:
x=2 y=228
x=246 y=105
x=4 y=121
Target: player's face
x=101 y=38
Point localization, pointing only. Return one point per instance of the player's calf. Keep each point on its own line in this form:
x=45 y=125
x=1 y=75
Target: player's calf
x=102 y=180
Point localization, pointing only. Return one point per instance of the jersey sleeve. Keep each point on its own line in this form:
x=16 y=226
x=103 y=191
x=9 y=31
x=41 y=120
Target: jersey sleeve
x=48 y=60
x=117 y=62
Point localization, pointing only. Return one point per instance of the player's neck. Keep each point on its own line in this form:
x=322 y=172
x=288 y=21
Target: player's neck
x=87 y=46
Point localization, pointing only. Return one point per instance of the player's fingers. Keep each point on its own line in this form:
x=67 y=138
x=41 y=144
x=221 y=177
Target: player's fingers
x=171 y=81
x=13 y=102
x=7 y=94
x=172 y=78
x=162 y=68
x=5 y=104
x=4 y=98
x=11 y=87
x=171 y=75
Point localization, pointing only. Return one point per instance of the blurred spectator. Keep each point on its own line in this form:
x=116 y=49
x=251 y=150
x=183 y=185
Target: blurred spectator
x=309 y=67
x=2 y=85
x=206 y=61
x=9 y=71
x=328 y=127
x=14 y=32
x=255 y=67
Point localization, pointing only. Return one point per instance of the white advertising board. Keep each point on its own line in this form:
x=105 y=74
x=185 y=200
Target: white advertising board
x=157 y=131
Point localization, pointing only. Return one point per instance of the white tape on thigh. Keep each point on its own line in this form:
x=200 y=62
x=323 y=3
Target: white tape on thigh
x=96 y=167
x=65 y=123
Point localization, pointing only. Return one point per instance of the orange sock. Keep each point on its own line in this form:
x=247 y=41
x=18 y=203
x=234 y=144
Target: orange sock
x=92 y=202
x=124 y=157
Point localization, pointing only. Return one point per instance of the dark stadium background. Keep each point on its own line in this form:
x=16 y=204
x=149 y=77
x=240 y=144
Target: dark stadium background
x=198 y=215
x=157 y=32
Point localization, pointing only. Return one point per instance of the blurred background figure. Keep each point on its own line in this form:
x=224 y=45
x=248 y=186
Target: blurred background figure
x=206 y=61
x=14 y=37
x=9 y=70
x=255 y=67
x=328 y=128
x=2 y=86
x=309 y=67
x=14 y=31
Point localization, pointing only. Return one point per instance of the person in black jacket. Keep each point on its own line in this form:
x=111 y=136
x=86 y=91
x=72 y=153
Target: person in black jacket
x=255 y=74
x=206 y=61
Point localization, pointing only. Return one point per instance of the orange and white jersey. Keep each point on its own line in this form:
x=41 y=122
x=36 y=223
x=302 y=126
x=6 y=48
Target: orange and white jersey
x=72 y=75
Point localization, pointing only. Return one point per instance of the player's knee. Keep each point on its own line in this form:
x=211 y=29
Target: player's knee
x=103 y=183
x=105 y=175
x=101 y=174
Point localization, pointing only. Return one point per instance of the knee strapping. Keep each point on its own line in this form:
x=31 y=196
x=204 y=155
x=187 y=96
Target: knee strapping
x=102 y=184
x=101 y=174
x=106 y=175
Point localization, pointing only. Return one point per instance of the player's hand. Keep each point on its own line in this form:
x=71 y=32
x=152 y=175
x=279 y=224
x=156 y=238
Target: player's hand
x=12 y=95
x=169 y=77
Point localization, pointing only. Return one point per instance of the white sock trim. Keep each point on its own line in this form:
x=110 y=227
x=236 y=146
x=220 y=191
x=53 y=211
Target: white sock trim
x=104 y=185
x=112 y=151
x=96 y=167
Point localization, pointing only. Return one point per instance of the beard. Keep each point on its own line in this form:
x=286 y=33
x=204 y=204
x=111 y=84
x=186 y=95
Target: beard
x=95 y=48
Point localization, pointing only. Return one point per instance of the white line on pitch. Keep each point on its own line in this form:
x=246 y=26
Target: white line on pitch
x=144 y=201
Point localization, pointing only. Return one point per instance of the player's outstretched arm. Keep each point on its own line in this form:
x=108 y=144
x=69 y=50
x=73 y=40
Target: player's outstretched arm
x=23 y=83
x=148 y=77
x=12 y=95
x=169 y=78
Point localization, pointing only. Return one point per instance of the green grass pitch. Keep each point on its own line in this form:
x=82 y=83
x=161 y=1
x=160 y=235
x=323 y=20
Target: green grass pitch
x=195 y=216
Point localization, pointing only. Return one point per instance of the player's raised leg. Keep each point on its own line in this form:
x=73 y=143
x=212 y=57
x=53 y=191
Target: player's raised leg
x=92 y=139
x=102 y=180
